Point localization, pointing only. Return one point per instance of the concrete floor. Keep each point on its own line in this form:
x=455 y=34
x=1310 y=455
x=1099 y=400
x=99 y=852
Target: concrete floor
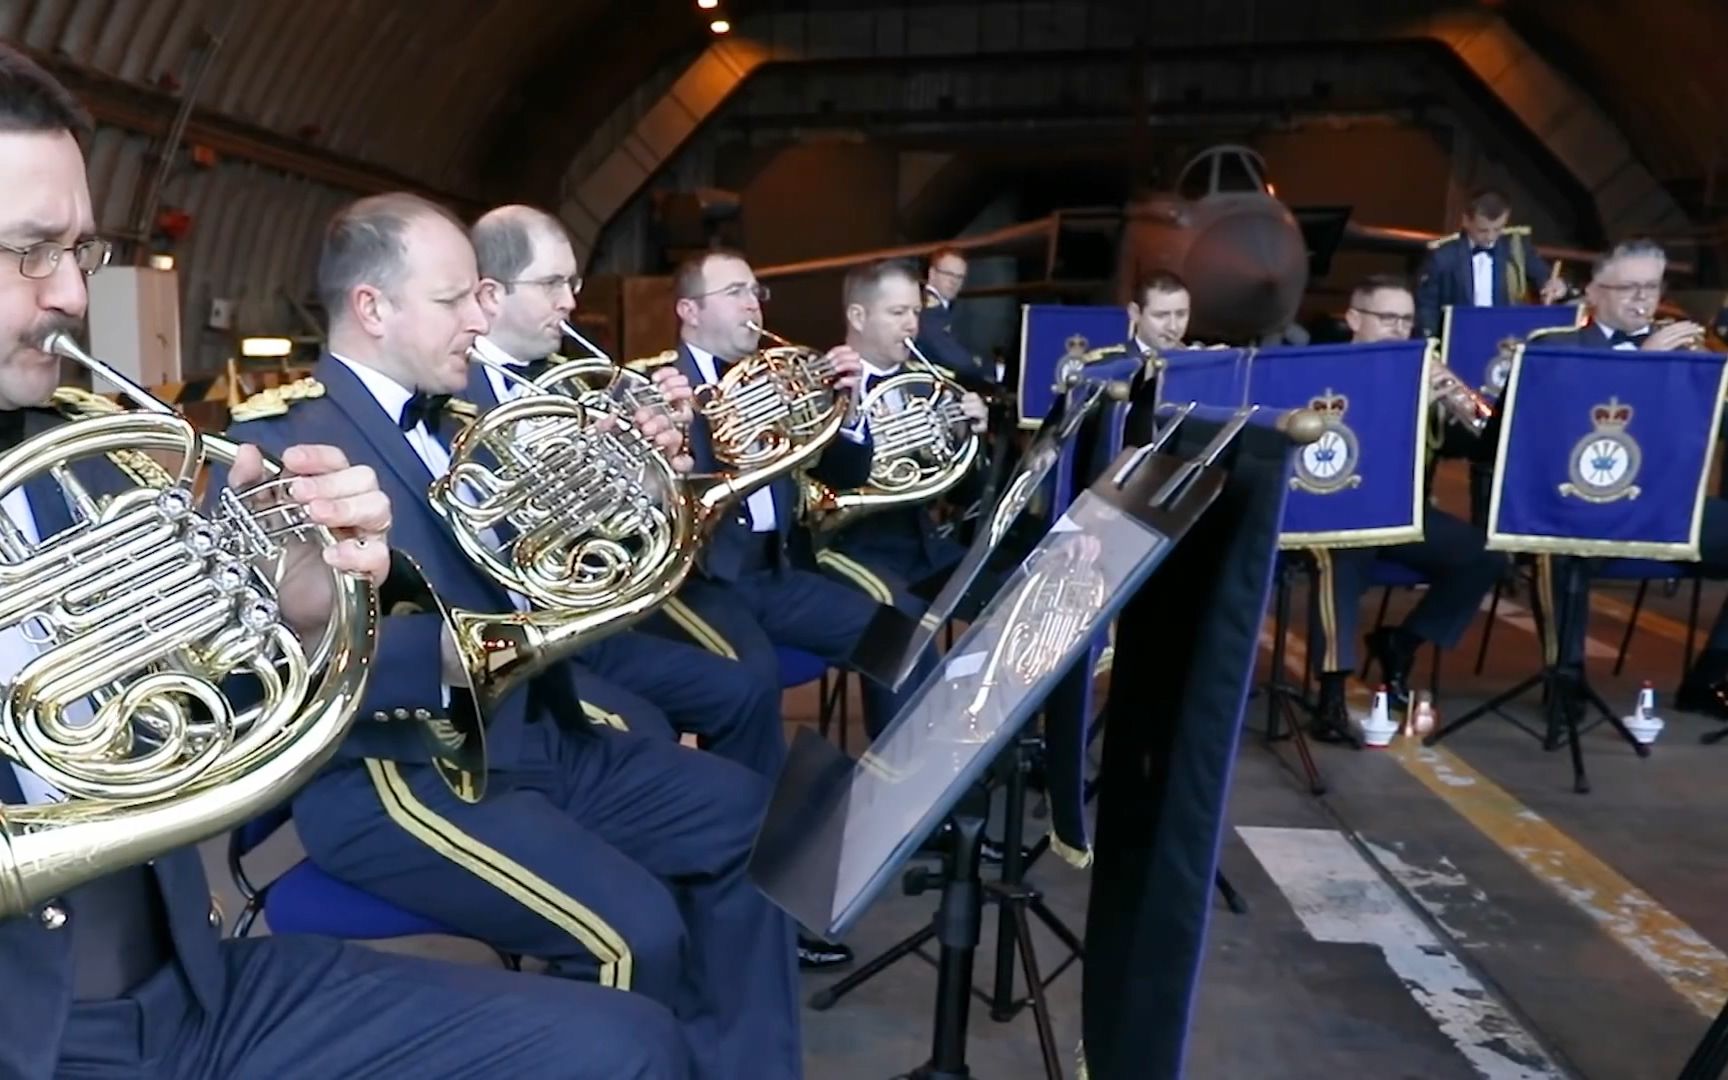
x=1586 y=928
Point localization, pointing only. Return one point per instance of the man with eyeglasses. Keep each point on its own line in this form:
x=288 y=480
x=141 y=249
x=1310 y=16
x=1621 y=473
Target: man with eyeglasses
x=1451 y=555
x=1486 y=263
x=943 y=281
x=528 y=286
x=1624 y=293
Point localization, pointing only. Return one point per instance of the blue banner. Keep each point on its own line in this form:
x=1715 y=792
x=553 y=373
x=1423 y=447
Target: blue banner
x=1610 y=455
x=1209 y=376
x=1360 y=483
x=1477 y=343
x=1050 y=333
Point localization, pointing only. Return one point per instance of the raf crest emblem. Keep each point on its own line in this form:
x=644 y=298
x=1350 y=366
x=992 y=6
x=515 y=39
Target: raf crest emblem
x=1328 y=464
x=1604 y=463
x=1499 y=368
x=1073 y=362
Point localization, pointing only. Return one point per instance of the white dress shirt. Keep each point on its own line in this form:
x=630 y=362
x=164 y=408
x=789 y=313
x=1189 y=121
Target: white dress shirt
x=502 y=388
x=1482 y=274
x=1617 y=346
x=16 y=650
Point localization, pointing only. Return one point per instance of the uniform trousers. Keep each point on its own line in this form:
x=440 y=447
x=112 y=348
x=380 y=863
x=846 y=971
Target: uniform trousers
x=732 y=708
x=305 y=1006
x=614 y=857
x=1450 y=555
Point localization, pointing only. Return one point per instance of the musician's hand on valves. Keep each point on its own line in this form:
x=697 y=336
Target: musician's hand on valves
x=1555 y=290
x=674 y=387
x=659 y=429
x=849 y=366
x=973 y=408
x=343 y=498
x=1678 y=335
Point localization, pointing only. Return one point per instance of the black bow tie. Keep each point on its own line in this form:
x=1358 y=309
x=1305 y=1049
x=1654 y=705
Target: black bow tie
x=1621 y=337
x=1475 y=251
x=533 y=369
x=425 y=409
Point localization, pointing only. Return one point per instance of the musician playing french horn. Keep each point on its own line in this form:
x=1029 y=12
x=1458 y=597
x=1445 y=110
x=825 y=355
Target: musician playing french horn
x=616 y=856
x=898 y=551
x=1451 y=555
x=127 y=974
x=529 y=283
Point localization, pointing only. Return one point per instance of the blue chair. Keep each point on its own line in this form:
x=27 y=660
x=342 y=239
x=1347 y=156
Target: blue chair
x=306 y=900
x=800 y=668
x=1644 y=571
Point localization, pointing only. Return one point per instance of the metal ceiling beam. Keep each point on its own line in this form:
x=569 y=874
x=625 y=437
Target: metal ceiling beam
x=150 y=112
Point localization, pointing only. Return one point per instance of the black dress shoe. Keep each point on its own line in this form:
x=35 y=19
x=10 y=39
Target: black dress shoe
x=941 y=842
x=815 y=955
x=1704 y=698
x=1331 y=722
x=1393 y=649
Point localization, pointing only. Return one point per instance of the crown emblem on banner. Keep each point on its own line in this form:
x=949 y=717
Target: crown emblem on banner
x=1329 y=404
x=1610 y=414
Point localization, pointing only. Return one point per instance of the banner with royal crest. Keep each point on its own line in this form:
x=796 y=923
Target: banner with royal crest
x=1477 y=343
x=1360 y=484
x=1051 y=334
x=1604 y=452
x=1210 y=376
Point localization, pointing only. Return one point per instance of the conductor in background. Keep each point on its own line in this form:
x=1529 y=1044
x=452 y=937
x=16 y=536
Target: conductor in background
x=1486 y=263
x=942 y=284
x=128 y=975
x=1452 y=555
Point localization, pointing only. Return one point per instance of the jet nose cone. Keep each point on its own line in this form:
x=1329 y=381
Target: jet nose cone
x=1247 y=271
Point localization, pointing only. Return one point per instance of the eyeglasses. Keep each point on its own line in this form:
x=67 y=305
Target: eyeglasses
x=738 y=291
x=551 y=284
x=41 y=260
x=1634 y=288
x=1394 y=318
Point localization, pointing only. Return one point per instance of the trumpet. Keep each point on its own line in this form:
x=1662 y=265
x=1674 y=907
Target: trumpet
x=1463 y=405
x=1693 y=342
x=141 y=610
x=922 y=444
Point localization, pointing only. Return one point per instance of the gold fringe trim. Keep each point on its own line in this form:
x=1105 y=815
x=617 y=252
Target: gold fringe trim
x=1073 y=856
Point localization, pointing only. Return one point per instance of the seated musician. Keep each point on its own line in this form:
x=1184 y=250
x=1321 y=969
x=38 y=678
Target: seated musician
x=128 y=974
x=614 y=855
x=1624 y=292
x=528 y=288
x=1450 y=555
x=898 y=550
x=1486 y=263
x=936 y=338
x=748 y=594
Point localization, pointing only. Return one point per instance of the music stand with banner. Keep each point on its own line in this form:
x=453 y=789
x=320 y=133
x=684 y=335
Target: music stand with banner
x=1609 y=454
x=836 y=831
x=1051 y=334
x=1215 y=377
x=1478 y=343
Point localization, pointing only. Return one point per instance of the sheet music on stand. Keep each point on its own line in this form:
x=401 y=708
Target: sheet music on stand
x=836 y=830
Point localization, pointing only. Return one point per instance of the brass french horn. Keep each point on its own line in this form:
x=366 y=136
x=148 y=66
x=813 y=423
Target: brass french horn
x=922 y=445
x=141 y=611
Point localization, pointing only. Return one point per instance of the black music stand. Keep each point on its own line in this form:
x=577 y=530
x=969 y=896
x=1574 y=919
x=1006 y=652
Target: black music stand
x=835 y=831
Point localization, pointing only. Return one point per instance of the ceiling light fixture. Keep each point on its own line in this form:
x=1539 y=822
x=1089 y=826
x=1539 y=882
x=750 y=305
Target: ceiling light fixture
x=720 y=26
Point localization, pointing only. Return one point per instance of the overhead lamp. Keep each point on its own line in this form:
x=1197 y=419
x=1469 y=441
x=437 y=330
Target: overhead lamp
x=707 y=5
x=266 y=346
x=161 y=261
x=720 y=26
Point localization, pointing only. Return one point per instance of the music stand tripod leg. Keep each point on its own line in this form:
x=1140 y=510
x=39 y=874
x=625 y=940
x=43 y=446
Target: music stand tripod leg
x=957 y=926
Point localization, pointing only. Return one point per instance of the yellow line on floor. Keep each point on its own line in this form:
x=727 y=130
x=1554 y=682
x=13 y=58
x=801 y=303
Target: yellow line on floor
x=1660 y=625
x=1694 y=968
x=1678 y=954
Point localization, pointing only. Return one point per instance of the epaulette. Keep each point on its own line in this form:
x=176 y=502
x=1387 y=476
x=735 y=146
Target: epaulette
x=74 y=403
x=1517 y=230
x=1106 y=353
x=139 y=467
x=1442 y=241
x=931 y=299
x=649 y=363
x=275 y=400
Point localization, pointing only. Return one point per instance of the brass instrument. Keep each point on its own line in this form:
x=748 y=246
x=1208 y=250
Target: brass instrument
x=922 y=444
x=1462 y=404
x=601 y=528
x=140 y=610
x=601 y=382
x=770 y=402
x=1693 y=343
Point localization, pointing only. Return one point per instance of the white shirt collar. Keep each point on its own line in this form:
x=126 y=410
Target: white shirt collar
x=1145 y=349
x=880 y=372
x=391 y=395
x=705 y=362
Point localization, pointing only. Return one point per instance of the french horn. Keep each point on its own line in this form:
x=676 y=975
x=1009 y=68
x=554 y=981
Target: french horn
x=140 y=612
x=922 y=445
x=560 y=499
